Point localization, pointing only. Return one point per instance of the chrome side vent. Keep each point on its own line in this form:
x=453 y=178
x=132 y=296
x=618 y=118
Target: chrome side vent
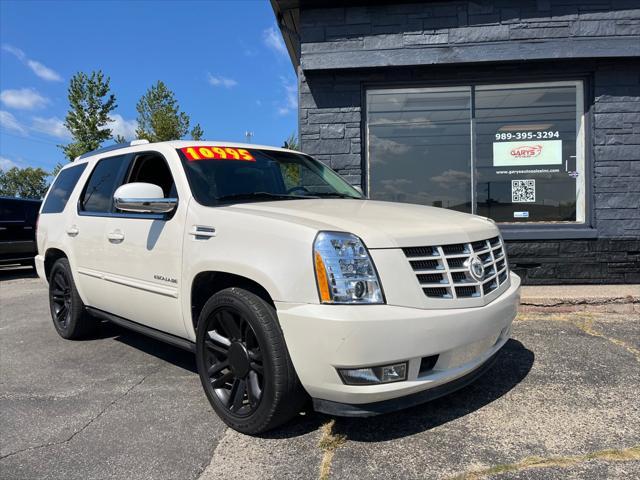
x=443 y=271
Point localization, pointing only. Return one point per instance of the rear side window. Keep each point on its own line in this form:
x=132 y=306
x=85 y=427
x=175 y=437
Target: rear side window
x=62 y=188
x=105 y=178
x=11 y=210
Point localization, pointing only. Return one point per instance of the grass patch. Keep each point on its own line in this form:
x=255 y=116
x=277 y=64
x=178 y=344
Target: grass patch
x=329 y=443
x=619 y=455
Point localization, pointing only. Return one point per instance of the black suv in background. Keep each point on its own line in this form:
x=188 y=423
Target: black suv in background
x=18 y=218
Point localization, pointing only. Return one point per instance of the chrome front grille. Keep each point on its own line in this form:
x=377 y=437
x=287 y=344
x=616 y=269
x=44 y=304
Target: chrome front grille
x=443 y=271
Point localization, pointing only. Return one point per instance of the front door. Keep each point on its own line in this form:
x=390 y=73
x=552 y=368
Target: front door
x=145 y=251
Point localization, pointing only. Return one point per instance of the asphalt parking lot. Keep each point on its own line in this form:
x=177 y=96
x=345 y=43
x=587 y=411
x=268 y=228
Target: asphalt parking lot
x=562 y=401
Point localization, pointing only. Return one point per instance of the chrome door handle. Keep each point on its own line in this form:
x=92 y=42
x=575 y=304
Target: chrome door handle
x=202 y=231
x=72 y=231
x=115 y=236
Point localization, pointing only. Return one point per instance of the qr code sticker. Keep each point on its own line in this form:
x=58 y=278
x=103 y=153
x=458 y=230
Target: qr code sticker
x=523 y=191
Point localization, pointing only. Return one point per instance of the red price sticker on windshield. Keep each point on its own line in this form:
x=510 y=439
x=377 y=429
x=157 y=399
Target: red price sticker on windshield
x=217 y=153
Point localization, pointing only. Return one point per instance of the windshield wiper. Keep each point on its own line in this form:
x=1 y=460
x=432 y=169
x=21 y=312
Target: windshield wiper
x=261 y=196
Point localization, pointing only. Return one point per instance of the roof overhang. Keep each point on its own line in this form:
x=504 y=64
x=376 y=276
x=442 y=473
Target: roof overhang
x=287 y=14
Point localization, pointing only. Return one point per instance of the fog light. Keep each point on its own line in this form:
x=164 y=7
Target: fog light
x=374 y=375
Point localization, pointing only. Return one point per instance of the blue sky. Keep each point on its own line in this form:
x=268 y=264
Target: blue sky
x=224 y=60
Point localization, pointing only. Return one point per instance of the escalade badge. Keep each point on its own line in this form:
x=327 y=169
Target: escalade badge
x=476 y=268
x=165 y=279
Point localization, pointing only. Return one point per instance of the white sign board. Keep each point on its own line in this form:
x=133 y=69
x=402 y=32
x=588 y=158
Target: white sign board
x=525 y=154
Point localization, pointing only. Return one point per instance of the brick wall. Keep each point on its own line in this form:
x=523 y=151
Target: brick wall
x=612 y=260
x=616 y=150
x=331 y=110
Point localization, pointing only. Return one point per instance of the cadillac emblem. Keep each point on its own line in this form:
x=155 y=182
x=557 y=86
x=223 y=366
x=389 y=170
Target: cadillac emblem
x=476 y=268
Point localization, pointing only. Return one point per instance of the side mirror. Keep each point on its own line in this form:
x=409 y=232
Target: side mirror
x=143 y=198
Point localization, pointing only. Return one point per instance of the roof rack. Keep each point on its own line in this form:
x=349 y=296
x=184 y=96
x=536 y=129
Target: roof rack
x=117 y=146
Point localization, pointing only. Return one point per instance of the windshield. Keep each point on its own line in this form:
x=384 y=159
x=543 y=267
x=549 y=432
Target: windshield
x=258 y=175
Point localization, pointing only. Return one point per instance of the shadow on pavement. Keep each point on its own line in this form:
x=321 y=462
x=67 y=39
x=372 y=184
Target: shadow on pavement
x=13 y=272
x=163 y=351
x=511 y=367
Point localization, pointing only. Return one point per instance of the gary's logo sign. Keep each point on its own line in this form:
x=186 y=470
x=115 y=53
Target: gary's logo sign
x=526 y=151
x=527 y=154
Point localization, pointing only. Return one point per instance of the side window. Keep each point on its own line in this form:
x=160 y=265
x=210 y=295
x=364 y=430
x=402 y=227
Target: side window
x=152 y=168
x=105 y=178
x=62 y=188
x=11 y=210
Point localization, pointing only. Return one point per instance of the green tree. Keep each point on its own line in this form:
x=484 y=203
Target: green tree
x=291 y=142
x=159 y=115
x=90 y=103
x=23 y=182
x=196 y=132
x=56 y=169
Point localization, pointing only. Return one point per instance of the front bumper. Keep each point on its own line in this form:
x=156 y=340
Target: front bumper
x=321 y=338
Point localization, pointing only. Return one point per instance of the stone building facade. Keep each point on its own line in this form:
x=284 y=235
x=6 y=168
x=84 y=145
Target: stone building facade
x=527 y=112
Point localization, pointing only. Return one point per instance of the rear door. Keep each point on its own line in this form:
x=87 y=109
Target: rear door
x=87 y=230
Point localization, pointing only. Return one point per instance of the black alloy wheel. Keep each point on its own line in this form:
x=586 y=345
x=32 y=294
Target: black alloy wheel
x=70 y=319
x=60 y=297
x=244 y=364
x=234 y=361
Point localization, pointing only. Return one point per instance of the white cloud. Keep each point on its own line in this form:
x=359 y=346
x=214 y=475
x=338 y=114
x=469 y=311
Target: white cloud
x=8 y=121
x=219 y=81
x=122 y=127
x=52 y=126
x=7 y=163
x=43 y=71
x=272 y=39
x=382 y=148
x=24 y=99
x=451 y=178
x=36 y=67
x=290 y=102
x=16 y=52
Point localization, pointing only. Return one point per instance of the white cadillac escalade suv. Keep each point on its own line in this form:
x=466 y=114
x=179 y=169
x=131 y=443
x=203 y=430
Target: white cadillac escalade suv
x=285 y=281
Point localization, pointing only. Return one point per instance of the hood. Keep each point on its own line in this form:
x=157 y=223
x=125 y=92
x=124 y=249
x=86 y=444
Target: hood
x=379 y=224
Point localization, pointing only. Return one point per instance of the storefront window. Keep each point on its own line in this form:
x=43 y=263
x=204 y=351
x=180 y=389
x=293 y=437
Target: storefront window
x=513 y=153
x=419 y=143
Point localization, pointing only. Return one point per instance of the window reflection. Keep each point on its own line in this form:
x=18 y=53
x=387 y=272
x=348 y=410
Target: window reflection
x=526 y=164
x=419 y=146
x=526 y=153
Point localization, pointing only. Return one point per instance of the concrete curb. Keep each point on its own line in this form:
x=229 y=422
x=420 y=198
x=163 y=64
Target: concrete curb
x=571 y=298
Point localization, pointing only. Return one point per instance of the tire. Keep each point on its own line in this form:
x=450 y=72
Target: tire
x=243 y=363
x=70 y=319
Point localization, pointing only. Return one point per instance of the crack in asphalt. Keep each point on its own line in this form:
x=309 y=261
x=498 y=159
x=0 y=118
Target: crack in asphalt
x=80 y=430
x=613 y=455
x=556 y=302
x=584 y=322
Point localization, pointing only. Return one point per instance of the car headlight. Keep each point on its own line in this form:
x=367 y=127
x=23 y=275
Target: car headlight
x=344 y=271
